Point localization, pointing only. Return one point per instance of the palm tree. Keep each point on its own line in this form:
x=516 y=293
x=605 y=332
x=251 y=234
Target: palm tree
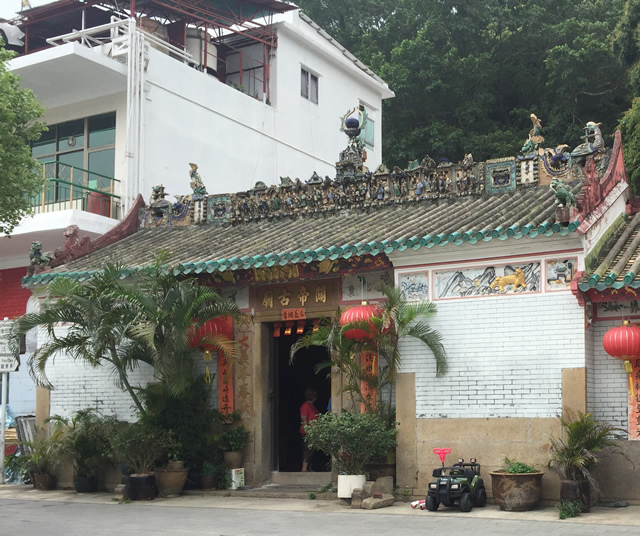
x=400 y=320
x=98 y=322
x=344 y=358
x=397 y=320
x=170 y=311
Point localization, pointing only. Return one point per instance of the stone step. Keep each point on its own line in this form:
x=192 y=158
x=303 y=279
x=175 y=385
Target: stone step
x=300 y=479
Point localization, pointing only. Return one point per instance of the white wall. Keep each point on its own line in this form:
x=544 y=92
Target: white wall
x=505 y=352
x=608 y=399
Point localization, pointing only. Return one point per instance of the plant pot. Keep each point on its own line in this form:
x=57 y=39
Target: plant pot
x=44 y=481
x=576 y=490
x=516 y=492
x=142 y=487
x=347 y=483
x=175 y=465
x=233 y=459
x=170 y=482
x=85 y=484
x=208 y=481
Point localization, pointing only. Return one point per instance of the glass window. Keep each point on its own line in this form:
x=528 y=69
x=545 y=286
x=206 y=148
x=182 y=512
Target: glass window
x=46 y=145
x=71 y=136
x=313 y=90
x=304 y=83
x=308 y=85
x=102 y=162
x=102 y=130
x=368 y=134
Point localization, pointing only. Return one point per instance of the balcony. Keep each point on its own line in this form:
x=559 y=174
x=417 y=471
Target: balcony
x=68 y=187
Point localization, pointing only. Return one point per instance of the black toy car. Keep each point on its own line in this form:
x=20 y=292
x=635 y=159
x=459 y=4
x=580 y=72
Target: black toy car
x=461 y=482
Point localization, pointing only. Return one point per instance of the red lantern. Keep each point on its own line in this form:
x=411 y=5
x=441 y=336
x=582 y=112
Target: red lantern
x=360 y=313
x=211 y=328
x=623 y=342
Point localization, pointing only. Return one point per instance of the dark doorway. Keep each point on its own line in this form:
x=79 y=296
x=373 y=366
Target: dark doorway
x=289 y=383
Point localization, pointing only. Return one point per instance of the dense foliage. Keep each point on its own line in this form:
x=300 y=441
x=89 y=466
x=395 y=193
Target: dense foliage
x=19 y=114
x=352 y=440
x=468 y=74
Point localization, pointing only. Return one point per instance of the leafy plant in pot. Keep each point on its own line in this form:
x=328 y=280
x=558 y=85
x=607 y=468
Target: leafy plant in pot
x=233 y=441
x=42 y=456
x=139 y=446
x=352 y=441
x=171 y=479
x=516 y=487
x=575 y=453
x=85 y=443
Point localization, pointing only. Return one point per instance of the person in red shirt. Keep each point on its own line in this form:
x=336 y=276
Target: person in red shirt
x=308 y=414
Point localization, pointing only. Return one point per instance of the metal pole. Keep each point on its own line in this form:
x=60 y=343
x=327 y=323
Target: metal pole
x=3 y=420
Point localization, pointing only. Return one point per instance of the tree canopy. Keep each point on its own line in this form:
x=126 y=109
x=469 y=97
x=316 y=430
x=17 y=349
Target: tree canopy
x=467 y=75
x=20 y=177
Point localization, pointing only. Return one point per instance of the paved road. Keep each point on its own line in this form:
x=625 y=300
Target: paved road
x=52 y=518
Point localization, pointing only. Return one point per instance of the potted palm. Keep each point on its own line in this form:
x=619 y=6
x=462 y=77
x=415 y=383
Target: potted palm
x=516 y=487
x=352 y=441
x=42 y=456
x=85 y=443
x=139 y=446
x=574 y=454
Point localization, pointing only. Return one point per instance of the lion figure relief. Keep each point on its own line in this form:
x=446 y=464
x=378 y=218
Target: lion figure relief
x=516 y=279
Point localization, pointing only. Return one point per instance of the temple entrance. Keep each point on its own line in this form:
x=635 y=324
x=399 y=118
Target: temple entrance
x=288 y=384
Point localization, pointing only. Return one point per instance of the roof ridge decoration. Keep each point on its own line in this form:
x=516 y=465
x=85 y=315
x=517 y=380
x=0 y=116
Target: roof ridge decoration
x=355 y=187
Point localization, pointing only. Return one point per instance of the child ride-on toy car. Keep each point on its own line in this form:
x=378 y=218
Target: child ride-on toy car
x=461 y=482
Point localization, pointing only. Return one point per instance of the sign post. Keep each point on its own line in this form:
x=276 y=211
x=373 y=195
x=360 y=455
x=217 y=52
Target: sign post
x=8 y=363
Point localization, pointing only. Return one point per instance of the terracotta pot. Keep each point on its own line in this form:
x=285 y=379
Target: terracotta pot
x=175 y=465
x=170 y=482
x=233 y=459
x=516 y=492
x=576 y=490
x=44 y=481
x=142 y=487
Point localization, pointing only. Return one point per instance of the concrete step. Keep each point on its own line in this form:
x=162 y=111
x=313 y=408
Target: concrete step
x=300 y=479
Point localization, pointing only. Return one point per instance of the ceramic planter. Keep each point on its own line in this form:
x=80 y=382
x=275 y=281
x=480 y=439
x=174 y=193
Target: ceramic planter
x=170 y=482
x=142 y=487
x=44 y=481
x=85 y=484
x=233 y=459
x=516 y=492
x=576 y=490
x=347 y=483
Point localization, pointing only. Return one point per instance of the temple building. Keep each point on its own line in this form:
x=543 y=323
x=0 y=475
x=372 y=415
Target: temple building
x=530 y=259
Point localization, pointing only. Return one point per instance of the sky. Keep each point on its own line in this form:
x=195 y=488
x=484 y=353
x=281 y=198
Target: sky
x=8 y=8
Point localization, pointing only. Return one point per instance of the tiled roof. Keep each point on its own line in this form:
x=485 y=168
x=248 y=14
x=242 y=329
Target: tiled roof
x=619 y=265
x=196 y=249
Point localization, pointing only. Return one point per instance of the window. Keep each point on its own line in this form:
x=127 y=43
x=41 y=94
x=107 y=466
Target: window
x=368 y=130
x=83 y=144
x=86 y=144
x=308 y=85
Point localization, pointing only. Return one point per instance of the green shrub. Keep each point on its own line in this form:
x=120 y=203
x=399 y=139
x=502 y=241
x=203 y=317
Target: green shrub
x=515 y=467
x=569 y=509
x=352 y=440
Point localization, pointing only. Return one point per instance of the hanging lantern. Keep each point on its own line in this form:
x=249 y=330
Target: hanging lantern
x=623 y=342
x=360 y=314
x=211 y=328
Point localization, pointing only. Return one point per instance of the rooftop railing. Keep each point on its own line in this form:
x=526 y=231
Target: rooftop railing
x=68 y=187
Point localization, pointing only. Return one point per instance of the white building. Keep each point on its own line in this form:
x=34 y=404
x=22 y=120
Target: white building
x=130 y=102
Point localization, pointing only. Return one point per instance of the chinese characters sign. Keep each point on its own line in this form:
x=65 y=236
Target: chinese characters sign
x=291 y=301
x=634 y=401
